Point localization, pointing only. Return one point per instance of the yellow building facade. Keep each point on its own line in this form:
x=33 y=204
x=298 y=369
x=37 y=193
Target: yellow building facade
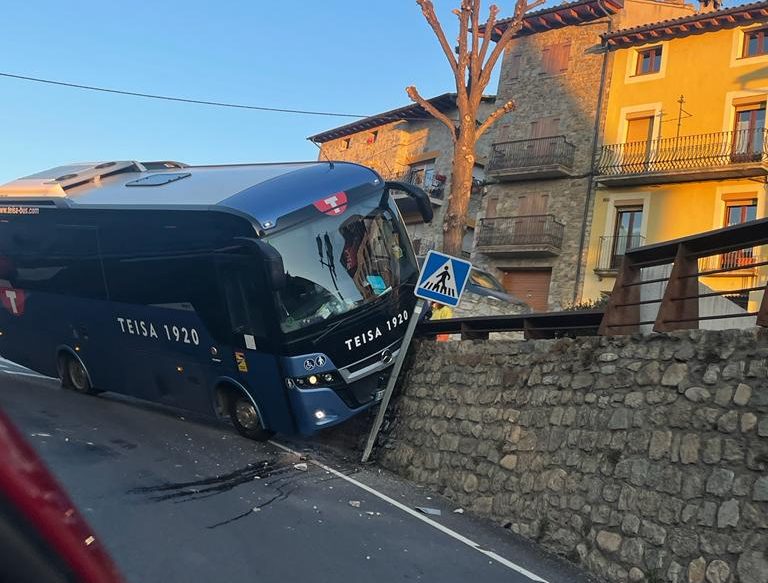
x=684 y=140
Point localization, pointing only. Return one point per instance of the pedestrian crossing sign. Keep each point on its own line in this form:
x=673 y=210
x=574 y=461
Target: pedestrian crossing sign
x=442 y=278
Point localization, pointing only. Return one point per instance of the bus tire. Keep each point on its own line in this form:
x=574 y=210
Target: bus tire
x=245 y=417
x=74 y=375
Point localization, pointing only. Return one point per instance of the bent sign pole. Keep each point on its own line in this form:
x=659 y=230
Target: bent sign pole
x=442 y=279
x=398 y=364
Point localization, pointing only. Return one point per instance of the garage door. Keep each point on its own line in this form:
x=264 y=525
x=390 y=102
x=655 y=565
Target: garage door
x=531 y=286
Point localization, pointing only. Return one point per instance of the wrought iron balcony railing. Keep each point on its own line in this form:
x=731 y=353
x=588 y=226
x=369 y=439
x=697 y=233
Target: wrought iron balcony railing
x=432 y=186
x=529 y=154
x=530 y=230
x=612 y=250
x=702 y=151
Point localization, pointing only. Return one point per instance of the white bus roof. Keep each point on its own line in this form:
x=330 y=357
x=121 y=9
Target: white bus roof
x=265 y=191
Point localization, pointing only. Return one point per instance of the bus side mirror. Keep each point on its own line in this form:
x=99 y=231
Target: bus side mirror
x=273 y=261
x=418 y=195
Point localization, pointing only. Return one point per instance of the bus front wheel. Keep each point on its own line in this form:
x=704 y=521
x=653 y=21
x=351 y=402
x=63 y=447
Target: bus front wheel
x=245 y=417
x=74 y=376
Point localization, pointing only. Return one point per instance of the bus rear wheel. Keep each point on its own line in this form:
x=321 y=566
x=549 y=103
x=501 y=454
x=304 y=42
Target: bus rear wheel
x=245 y=418
x=74 y=376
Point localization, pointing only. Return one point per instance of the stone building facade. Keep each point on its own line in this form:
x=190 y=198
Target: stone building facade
x=536 y=211
x=410 y=145
x=641 y=458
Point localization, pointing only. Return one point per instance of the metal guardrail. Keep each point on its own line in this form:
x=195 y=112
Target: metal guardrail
x=545 y=325
x=521 y=230
x=612 y=250
x=520 y=154
x=699 y=151
x=723 y=253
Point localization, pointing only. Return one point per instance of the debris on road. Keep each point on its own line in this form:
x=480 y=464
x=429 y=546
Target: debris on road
x=301 y=467
x=459 y=511
x=354 y=503
x=426 y=510
x=256 y=509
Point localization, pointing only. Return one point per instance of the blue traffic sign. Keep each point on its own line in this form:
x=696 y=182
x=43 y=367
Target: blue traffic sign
x=442 y=278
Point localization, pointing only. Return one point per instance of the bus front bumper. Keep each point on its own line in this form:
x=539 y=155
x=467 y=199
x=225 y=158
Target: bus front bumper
x=316 y=409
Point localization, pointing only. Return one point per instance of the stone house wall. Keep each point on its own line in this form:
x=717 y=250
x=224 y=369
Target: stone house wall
x=397 y=146
x=641 y=458
x=572 y=97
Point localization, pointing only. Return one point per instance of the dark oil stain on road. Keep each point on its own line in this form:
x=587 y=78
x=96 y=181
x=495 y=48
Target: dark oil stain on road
x=279 y=474
x=123 y=444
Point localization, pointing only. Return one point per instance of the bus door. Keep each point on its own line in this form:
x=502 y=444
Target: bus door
x=250 y=357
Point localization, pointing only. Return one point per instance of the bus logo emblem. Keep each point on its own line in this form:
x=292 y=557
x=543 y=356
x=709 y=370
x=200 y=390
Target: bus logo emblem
x=13 y=300
x=334 y=204
x=320 y=360
x=309 y=364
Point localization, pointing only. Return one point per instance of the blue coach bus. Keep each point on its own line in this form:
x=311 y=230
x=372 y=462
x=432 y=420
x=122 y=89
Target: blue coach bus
x=273 y=294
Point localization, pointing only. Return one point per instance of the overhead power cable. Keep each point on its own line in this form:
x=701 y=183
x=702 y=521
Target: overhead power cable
x=180 y=99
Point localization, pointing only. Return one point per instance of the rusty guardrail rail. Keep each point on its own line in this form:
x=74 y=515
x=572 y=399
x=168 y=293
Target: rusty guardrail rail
x=731 y=254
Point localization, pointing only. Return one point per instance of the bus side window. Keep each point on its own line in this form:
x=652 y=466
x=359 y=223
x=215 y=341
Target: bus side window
x=60 y=259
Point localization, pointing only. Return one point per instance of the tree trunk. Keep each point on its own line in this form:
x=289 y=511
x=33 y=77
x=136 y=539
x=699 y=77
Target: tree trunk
x=461 y=189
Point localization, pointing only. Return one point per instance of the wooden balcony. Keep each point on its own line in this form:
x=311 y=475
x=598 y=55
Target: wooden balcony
x=531 y=159
x=521 y=236
x=738 y=154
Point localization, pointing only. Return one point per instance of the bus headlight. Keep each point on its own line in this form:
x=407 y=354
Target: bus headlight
x=313 y=380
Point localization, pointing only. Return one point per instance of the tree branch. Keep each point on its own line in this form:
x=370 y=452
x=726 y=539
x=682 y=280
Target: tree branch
x=432 y=110
x=428 y=10
x=488 y=32
x=474 y=62
x=463 y=59
x=491 y=119
x=521 y=8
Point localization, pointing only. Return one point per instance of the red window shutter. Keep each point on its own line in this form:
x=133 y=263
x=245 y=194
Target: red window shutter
x=563 y=54
x=546 y=61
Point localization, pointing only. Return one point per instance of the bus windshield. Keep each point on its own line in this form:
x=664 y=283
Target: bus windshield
x=334 y=263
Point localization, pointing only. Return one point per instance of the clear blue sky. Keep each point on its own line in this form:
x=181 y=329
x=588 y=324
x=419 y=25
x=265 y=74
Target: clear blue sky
x=352 y=56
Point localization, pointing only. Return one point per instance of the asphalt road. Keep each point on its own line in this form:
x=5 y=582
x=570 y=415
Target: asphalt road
x=186 y=500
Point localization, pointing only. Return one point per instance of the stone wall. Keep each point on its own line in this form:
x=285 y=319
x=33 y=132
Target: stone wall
x=641 y=458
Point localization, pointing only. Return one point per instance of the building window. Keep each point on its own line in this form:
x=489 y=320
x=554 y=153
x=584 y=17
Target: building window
x=648 y=61
x=755 y=43
x=736 y=213
x=374 y=135
x=423 y=175
x=749 y=132
x=626 y=233
x=346 y=143
x=554 y=58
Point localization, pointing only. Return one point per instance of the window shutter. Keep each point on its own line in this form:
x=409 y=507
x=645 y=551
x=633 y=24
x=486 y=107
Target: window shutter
x=514 y=66
x=546 y=60
x=563 y=54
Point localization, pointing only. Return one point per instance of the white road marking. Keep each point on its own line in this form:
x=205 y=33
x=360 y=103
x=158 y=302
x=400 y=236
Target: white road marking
x=28 y=374
x=444 y=529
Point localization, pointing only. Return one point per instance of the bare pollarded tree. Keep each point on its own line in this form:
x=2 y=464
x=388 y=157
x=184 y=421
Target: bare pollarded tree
x=472 y=62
